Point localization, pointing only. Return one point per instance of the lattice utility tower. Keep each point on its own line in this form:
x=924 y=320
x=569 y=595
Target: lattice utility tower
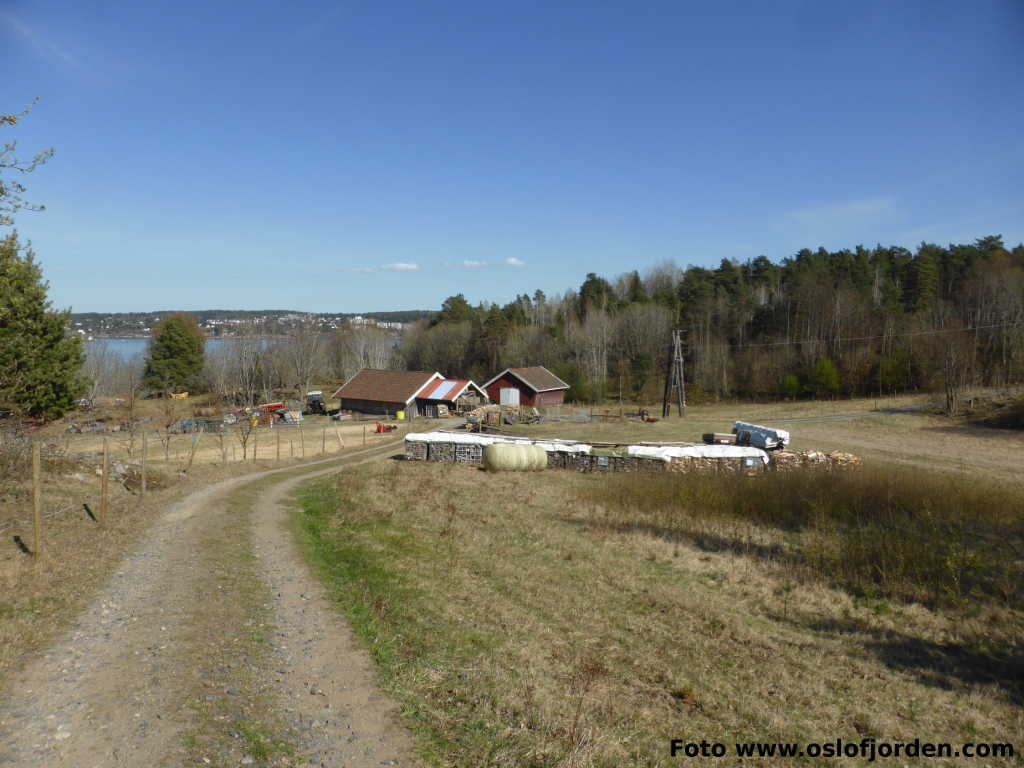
x=675 y=384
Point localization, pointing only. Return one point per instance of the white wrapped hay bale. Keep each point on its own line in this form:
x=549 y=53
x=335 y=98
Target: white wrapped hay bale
x=515 y=457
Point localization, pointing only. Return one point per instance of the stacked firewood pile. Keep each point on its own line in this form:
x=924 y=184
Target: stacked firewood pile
x=836 y=460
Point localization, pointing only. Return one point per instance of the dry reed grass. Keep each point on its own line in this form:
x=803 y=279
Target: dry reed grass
x=920 y=537
x=919 y=439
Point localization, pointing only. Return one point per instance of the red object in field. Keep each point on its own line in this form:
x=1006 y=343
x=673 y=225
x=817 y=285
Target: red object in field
x=385 y=427
x=271 y=407
x=651 y=419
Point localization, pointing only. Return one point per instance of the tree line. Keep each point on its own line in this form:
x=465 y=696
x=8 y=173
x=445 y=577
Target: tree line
x=860 y=322
x=868 y=321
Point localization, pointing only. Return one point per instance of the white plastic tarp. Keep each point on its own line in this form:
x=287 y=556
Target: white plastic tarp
x=663 y=452
x=473 y=439
x=668 y=452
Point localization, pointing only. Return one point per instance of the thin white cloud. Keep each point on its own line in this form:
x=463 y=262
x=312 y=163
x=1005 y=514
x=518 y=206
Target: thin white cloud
x=44 y=46
x=471 y=264
x=398 y=266
x=512 y=261
x=850 y=213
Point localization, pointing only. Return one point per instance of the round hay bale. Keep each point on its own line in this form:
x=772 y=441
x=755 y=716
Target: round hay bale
x=512 y=457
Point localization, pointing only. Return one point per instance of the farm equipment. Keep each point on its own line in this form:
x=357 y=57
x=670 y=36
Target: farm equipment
x=761 y=437
x=315 y=402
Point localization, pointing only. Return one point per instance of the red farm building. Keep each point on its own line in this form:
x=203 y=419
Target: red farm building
x=385 y=392
x=458 y=395
x=526 y=386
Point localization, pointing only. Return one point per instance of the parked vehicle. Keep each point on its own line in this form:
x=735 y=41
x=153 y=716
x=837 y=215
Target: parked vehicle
x=315 y=402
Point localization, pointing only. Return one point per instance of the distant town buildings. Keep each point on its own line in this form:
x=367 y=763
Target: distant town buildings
x=226 y=323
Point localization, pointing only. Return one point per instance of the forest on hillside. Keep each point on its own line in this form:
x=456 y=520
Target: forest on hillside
x=823 y=324
x=859 y=322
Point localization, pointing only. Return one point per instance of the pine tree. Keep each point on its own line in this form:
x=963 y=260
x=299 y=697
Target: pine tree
x=175 y=360
x=40 y=363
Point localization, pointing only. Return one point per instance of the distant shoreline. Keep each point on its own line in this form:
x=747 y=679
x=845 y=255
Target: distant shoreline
x=208 y=338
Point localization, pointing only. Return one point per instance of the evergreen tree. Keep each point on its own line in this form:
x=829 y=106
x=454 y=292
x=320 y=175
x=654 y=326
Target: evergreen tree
x=595 y=293
x=924 y=278
x=635 y=293
x=40 y=363
x=495 y=330
x=455 y=309
x=175 y=360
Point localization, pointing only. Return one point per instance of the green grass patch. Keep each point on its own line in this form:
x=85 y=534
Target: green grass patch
x=403 y=624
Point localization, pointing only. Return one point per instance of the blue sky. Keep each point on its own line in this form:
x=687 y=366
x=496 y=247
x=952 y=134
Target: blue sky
x=359 y=156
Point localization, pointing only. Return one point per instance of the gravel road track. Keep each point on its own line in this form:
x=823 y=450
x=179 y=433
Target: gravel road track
x=111 y=690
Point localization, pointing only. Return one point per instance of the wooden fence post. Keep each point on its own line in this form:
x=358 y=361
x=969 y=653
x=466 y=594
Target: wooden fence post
x=341 y=443
x=302 y=440
x=142 y=480
x=223 y=450
x=364 y=434
x=192 y=453
x=291 y=447
x=37 y=501
x=277 y=435
x=323 y=440
x=104 y=481
x=255 y=436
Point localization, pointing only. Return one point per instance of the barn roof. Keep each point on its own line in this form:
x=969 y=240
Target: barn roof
x=449 y=389
x=537 y=377
x=386 y=386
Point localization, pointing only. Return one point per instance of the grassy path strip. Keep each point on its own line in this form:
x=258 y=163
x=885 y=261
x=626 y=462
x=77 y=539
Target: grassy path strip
x=227 y=653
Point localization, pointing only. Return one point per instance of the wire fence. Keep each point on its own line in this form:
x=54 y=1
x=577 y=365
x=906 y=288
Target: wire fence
x=138 y=460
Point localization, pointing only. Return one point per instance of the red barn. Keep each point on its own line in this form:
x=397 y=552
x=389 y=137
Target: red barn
x=536 y=386
x=458 y=395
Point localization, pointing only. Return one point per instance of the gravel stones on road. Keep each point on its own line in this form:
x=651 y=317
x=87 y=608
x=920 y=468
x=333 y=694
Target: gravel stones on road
x=112 y=690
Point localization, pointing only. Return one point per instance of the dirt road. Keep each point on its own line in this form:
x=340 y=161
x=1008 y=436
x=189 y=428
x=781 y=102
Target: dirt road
x=211 y=645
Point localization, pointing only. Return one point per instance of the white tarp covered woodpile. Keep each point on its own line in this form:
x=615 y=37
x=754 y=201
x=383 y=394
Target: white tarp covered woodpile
x=665 y=453
x=669 y=452
x=476 y=439
x=760 y=437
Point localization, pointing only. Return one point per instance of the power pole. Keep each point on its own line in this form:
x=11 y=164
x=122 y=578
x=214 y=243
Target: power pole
x=674 y=379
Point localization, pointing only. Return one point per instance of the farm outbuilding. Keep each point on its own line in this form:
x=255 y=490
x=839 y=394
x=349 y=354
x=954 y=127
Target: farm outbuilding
x=535 y=385
x=385 y=392
x=457 y=395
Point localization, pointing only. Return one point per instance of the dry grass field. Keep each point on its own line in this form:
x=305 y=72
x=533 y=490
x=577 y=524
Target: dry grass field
x=883 y=431
x=534 y=620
